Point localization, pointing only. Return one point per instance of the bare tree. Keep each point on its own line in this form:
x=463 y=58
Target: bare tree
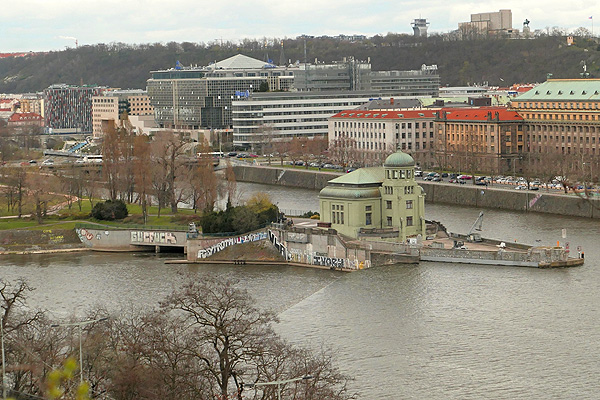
x=168 y=153
x=228 y=329
x=143 y=179
x=15 y=188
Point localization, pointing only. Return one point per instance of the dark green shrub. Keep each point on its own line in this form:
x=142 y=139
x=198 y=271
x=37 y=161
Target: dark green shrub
x=110 y=210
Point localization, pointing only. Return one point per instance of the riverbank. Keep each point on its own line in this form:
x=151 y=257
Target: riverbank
x=438 y=193
x=40 y=241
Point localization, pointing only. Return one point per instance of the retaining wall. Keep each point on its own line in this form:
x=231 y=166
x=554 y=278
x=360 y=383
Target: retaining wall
x=129 y=240
x=464 y=195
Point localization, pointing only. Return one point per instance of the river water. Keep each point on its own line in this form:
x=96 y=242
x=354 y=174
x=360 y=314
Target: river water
x=427 y=331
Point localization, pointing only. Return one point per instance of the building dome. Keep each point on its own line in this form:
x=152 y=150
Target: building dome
x=399 y=159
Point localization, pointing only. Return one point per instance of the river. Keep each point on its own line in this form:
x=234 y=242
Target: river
x=427 y=331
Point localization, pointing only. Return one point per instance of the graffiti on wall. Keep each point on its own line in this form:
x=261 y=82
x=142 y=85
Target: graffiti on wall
x=223 y=244
x=278 y=245
x=328 y=261
x=300 y=256
x=84 y=234
x=153 y=237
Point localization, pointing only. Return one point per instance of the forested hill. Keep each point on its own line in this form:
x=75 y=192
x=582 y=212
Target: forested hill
x=497 y=61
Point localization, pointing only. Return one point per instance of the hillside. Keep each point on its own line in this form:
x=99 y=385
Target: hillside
x=499 y=62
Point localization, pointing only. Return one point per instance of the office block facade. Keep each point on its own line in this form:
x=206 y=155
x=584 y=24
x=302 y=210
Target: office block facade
x=194 y=98
x=69 y=108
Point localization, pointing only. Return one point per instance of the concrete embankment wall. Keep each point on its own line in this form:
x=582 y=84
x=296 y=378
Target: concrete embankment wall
x=129 y=239
x=464 y=195
x=38 y=240
x=283 y=176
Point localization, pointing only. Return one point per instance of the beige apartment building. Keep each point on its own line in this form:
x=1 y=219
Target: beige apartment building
x=483 y=139
x=366 y=137
x=108 y=108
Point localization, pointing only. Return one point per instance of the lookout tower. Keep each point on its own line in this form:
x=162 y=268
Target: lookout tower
x=419 y=26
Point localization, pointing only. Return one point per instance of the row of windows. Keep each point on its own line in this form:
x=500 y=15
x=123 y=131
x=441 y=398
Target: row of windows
x=399 y=174
x=571 y=106
x=567 y=117
x=409 y=204
x=381 y=125
x=562 y=138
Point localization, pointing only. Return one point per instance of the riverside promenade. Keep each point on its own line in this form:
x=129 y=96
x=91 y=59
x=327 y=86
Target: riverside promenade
x=438 y=192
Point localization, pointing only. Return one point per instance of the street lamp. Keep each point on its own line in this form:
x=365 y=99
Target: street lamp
x=80 y=325
x=278 y=383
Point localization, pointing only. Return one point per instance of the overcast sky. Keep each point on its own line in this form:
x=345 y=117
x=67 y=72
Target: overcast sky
x=40 y=25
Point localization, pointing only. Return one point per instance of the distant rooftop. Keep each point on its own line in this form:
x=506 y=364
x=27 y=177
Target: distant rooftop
x=563 y=89
x=386 y=114
x=240 y=61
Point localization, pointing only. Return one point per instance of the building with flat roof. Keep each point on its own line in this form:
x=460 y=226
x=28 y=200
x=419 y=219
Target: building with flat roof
x=351 y=74
x=68 y=109
x=364 y=137
x=201 y=97
x=295 y=114
x=489 y=23
x=108 y=109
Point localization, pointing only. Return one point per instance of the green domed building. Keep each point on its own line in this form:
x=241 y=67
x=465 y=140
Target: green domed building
x=377 y=202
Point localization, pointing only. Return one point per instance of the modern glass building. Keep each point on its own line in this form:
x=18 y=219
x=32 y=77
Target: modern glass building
x=191 y=98
x=195 y=98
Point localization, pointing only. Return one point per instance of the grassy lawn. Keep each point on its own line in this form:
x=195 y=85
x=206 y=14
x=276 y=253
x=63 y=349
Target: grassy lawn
x=68 y=218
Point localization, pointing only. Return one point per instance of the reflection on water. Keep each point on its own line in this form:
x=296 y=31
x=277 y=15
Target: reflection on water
x=427 y=331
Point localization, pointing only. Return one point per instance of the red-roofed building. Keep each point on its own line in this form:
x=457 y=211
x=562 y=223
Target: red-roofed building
x=485 y=139
x=367 y=137
x=8 y=107
x=22 y=119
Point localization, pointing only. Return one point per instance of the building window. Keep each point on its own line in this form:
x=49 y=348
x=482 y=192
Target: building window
x=389 y=221
x=409 y=204
x=388 y=205
x=409 y=221
x=367 y=208
x=368 y=219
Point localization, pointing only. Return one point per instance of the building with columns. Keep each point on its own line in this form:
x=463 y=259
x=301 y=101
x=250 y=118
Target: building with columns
x=378 y=202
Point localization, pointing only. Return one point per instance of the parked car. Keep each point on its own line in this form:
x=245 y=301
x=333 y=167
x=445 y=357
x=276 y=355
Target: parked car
x=521 y=187
x=444 y=174
x=437 y=179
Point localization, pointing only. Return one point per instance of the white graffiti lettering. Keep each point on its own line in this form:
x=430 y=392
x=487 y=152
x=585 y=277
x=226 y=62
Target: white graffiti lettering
x=153 y=237
x=279 y=246
x=328 y=261
x=222 y=245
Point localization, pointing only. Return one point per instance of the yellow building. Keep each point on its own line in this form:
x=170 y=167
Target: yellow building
x=378 y=202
